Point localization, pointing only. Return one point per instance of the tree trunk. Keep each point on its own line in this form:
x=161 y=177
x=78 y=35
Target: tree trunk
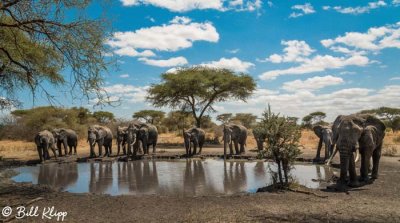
x=280 y=173
x=198 y=122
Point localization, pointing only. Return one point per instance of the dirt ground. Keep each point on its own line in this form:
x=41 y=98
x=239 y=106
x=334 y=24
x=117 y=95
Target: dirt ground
x=377 y=202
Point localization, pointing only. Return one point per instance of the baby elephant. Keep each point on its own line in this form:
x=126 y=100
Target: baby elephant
x=44 y=140
x=195 y=136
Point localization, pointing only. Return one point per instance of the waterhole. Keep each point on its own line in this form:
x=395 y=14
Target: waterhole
x=176 y=178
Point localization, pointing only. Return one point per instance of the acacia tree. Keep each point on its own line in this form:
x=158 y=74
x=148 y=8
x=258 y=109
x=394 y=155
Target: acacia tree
x=390 y=116
x=103 y=116
x=313 y=119
x=38 y=43
x=224 y=118
x=197 y=89
x=150 y=116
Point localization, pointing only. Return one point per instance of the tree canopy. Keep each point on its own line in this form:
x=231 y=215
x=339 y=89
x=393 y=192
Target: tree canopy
x=197 y=89
x=103 y=116
x=39 y=44
x=248 y=120
x=150 y=116
x=390 y=116
x=224 y=118
x=314 y=118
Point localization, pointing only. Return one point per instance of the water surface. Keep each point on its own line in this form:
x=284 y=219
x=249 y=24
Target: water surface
x=176 y=178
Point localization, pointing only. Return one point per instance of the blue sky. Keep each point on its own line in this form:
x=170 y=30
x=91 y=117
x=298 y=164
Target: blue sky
x=335 y=56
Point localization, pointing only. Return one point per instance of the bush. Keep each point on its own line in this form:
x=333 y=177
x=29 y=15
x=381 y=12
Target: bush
x=282 y=138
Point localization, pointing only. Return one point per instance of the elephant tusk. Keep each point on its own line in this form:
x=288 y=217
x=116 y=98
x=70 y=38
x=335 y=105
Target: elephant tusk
x=94 y=143
x=133 y=142
x=357 y=156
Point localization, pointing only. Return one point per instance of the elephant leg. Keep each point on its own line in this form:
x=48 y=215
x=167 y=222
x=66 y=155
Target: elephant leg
x=59 y=148
x=365 y=157
x=100 y=145
x=352 y=172
x=70 y=150
x=344 y=167
x=194 y=148
x=376 y=156
x=326 y=151
x=75 y=149
x=110 y=149
x=65 y=147
x=154 y=147
x=236 y=147
x=40 y=152
x=230 y=148
x=124 y=149
x=242 y=149
x=54 y=151
x=118 y=148
x=318 y=156
x=200 y=148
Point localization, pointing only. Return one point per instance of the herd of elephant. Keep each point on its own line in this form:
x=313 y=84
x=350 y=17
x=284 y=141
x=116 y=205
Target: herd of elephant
x=351 y=134
x=135 y=138
x=348 y=133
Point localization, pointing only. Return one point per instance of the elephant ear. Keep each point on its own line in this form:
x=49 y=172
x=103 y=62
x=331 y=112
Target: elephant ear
x=62 y=134
x=100 y=133
x=318 y=130
x=371 y=120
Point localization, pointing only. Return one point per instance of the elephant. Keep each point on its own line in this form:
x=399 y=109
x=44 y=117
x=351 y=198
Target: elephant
x=366 y=130
x=103 y=137
x=260 y=137
x=195 y=136
x=141 y=133
x=121 y=139
x=325 y=136
x=148 y=135
x=44 y=140
x=65 y=137
x=236 y=135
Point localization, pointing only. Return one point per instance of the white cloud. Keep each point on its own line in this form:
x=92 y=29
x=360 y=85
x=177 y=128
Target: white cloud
x=124 y=75
x=234 y=64
x=375 y=39
x=359 y=9
x=317 y=64
x=396 y=2
x=180 y=33
x=126 y=92
x=312 y=84
x=301 y=10
x=233 y=51
x=171 y=62
x=188 y=5
x=395 y=78
x=295 y=51
x=131 y=52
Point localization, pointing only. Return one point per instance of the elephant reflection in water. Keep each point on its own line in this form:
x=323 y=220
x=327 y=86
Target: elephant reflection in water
x=123 y=175
x=100 y=182
x=234 y=177
x=142 y=177
x=194 y=178
x=58 y=175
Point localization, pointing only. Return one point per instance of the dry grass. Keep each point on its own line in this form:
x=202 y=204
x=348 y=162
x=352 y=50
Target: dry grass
x=27 y=150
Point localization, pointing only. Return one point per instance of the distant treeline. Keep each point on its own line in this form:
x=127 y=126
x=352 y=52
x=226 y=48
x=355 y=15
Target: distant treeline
x=23 y=124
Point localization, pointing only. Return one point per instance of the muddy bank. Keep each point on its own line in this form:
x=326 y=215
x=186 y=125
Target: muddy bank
x=377 y=202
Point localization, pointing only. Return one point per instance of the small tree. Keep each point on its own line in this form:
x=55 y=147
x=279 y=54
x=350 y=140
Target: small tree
x=224 y=118
x=197 y=89
x=103 y=116
x=282 y=137
x=150 y=116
